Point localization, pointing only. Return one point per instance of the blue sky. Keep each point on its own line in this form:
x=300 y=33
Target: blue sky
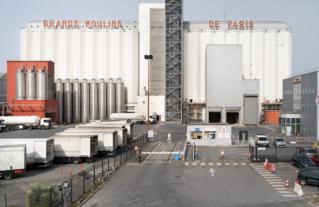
x=302 y=17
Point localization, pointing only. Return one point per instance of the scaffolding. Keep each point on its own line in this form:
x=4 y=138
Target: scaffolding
x=173 y=60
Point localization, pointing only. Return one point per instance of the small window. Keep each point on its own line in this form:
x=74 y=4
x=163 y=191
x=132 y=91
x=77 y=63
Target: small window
x=305 y=172
x=312 y=172
x=309 y=90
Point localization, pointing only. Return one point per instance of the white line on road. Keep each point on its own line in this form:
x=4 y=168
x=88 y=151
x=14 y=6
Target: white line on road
x=277 y=182
x=284 y=192
x=273 y=180
x=243 y=163
x=212 y=171
x=292 y=167
x=276 y=185
x=281 y=188
x=289 y=195
x=194 y=163
x=186 y=163
x=226 y=163
x=219 y=164
x=202 y=163
x=210 y=163
x=235 y=163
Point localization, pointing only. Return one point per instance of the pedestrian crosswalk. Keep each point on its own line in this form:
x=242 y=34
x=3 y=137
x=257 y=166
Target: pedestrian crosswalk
x=272 y=179
x=212 y=164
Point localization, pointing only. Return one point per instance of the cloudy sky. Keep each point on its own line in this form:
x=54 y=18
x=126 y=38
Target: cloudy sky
x=302 y=16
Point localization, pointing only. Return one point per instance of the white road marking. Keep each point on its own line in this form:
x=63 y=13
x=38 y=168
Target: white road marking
x=292 y=167
x=226 y=163
x=281 y=188
x=212 y=171
x=276 y=185
x=284 y=192
x=289 y=195
x=219 y=164
x=243 y=163
x=268 y=176
x=186 y=163
x=273 y=179
x=194 y=163
x=277 y=182
x=202 y=163
x=235 y=163
x=210 y=163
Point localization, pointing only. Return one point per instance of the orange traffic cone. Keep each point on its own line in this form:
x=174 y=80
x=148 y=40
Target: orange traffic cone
x=267 y=166
x=273 y=170
x=287 y=184
x=297 y=182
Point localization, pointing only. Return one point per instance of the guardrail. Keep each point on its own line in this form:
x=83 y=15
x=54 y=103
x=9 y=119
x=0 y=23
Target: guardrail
x=296 y=139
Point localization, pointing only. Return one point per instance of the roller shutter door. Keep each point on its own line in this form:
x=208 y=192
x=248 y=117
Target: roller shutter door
x=251 y=110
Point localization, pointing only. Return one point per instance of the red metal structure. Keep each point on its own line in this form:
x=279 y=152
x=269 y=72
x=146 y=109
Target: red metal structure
x=43 y=108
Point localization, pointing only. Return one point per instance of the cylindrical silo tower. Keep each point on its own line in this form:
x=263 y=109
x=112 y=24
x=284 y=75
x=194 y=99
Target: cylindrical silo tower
x=30 y=85
x=41 y=85
x=119 y=96
x=110 y=98
x=20 y=84
x=85 y=103
x=93 y=100
x=59 y=97
x=102 y=100
x=76 y=101
x=67 y=101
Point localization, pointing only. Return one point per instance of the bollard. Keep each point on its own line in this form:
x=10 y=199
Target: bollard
x=108 y=165
x=83 y=182
x=61 y=170
x=93 y=174
x=70 y=173
x=176 y=157
x=71 y=189
x=121 y=158
x=102 y=167
x=114 y=160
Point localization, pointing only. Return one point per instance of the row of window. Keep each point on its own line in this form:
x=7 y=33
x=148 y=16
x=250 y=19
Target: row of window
x=310 y=90
x=304 y=107
x=308 y=129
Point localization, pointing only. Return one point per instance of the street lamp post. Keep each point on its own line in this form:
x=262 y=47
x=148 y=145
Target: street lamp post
x=148 y=57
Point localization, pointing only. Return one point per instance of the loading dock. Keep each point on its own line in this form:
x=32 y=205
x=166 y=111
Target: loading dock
x=232 y=117
x=215 y=117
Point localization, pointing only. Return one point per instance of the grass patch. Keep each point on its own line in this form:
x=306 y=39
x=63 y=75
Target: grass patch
x=86 y=194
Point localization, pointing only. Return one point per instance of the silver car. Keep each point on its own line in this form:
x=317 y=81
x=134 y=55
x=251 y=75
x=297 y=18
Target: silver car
x=307 y=151
x=279 y=142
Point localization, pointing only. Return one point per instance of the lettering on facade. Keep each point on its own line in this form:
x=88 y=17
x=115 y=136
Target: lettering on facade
x=233 y=24
x=69 y=23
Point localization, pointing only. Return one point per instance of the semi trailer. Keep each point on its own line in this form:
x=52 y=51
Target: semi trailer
x=12 y=160
x=107 y=140
x=2 y=125
x=75 y=148
x=30 y=122
x=128 y=126
x=133 y=118
x=40 y=152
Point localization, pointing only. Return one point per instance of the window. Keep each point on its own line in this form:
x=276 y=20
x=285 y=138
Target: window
x=196 y=135
x=309 y=90
x=312 y=172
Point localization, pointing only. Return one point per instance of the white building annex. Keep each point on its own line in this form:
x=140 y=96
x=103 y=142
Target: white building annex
x=95 y=49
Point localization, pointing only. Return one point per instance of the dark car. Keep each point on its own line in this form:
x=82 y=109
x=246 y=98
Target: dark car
x=302 y=161
x=315 y=159
x=309 y=175
x=307 y=151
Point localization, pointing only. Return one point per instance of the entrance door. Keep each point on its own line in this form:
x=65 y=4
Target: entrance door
x=251 y=110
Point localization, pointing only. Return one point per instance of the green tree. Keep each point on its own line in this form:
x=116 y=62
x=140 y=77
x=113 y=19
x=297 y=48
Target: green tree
x=39 y=195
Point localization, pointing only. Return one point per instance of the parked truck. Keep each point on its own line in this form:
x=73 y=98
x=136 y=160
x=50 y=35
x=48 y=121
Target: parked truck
x=121 y=123
x=40 y=151
x=75 y=148
x=12 y=160
x=133 y=118
x=29 y=122
x=2 y=125
x=107 y=140
x=121 y=131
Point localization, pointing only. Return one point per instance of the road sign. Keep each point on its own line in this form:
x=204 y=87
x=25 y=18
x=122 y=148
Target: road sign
x=249 y=154
x=197 y=129
x=196 y=149
x=136 y=147
x=155 y=133
x=196 y=154
x=150 y=133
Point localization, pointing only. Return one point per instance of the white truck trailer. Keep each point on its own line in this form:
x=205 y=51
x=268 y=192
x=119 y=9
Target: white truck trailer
x=75 y=148
x=2 y=125
x=107 y=139
x=121 y=132
x=12 y=160
x=40 y=151
x=133 y=118
x=128 y=126
x=30 y=122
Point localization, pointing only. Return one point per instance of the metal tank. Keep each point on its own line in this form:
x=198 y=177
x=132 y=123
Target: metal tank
x=76 y=101
x=102 y=99
x=85 y=103
x=20 y=84
x=30 y=84
x=93 y=100
x=42 y=85
x=110 y=98
x=119 y=96
x=67 y=101
x=59 y=97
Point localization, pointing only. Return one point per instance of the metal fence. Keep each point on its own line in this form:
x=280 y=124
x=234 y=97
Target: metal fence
x=85 y=180
x=296 y=139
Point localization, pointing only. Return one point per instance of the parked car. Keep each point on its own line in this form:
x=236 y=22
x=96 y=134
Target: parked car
x=315 y=159
x=307 y=151
x=261 y=140
x=279 y=142
x=301 y=161
x=309 y=175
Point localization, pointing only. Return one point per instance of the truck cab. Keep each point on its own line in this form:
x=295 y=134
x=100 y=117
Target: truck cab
x=2 y=125
x=45 y=123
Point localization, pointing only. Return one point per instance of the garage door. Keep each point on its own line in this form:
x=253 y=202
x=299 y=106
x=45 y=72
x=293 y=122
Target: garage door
x=251 y=110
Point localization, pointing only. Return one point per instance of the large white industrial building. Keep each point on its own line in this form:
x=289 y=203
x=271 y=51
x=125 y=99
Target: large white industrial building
x=95 y=49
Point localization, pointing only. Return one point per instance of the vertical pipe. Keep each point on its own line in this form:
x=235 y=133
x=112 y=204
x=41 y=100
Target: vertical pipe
x=102 y=166
x=148 y=97
x=83 y=181
x=71 y=189
x=5 y=200
x=61 y=199
x=114 y=161
x=93 y=174
x=108 y=164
